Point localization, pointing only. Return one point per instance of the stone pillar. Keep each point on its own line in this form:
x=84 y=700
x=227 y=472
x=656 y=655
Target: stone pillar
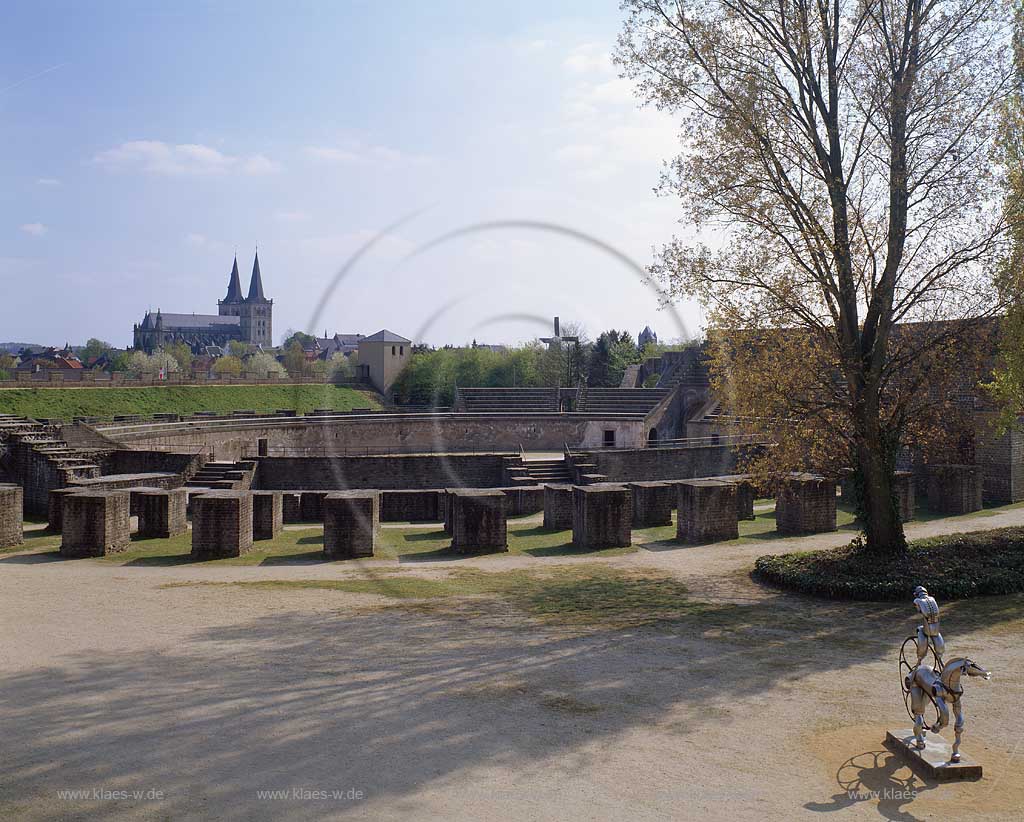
x=161 y=512
x=262 y=447
x=55 y=510
x=351 y=522
x=221 y=524
x=291 y=507
x=652 y=503
x=806 y=505
x=267 y=514
x=96 y=523
x=12 y=528
x=449 y=508
x=708 y=511
x=905 y=495
x=479 y=521
x=745 y=494
x=558 y=507
x=602 y=516
x=954 y=489
x=311 y=505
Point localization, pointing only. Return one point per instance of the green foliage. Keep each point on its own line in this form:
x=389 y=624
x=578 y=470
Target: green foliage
x=227 y=366
x=142 y=364
x=341 y=368
x=955 y=566
x=304 y=340
x=294 y=358
x=65 y=403
x=264 y=365
x=94 y=348
x=652 y=380
x=181 y=353
x=611 y=354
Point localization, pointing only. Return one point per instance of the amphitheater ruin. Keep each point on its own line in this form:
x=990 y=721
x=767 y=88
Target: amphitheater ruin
x=598 y=461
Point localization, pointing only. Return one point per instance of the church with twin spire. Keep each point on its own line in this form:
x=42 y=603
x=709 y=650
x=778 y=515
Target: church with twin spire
x=247 y=319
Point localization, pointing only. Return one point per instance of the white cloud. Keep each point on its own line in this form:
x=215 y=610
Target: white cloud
x=158 y=157
x=195 y=240
x=360 y=154
x=34 y=229
x=49 y=182
x=589 y=58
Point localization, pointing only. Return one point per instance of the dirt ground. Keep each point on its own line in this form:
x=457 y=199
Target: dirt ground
x=350 y=706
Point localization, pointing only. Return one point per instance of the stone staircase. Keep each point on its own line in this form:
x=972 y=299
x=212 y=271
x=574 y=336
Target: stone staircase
x=224 y=476
x=548 y=471
x=35 y=455
x=634 y=402
x=507 y=400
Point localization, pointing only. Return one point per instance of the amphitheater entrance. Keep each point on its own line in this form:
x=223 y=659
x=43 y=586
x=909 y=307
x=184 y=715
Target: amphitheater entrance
x=652 y=437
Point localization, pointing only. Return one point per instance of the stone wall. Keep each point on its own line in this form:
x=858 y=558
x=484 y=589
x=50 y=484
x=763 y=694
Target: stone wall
x=1001 y=457
x=652 y=503
x=411 y=506
x=351 y=523
x=558 y=507
x=95 y=523
x=806 y=505
x=647 y=464
x=602 y=516
x=707 y=511
x=267 y=514
x=398 y=472
x=479 y=521
x=161 y=512
x=954 y=489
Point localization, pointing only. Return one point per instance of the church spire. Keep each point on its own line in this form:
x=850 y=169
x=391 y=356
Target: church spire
x=234 y=294
x=256 y=283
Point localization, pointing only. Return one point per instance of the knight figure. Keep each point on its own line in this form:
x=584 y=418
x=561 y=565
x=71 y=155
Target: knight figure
x=928 y=632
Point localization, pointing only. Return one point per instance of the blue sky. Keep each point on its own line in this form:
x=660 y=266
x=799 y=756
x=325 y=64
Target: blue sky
x=145 y=142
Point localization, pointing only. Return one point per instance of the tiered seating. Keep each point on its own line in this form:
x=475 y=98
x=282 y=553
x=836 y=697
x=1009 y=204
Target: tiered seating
x=223 y=476
x=508 y=400
x=636 y=402
x=544 y=471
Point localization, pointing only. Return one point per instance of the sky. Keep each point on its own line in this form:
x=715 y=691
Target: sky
x=498 y=167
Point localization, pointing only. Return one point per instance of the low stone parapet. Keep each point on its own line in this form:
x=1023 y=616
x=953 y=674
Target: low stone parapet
x=525 y=499
x=311 y=505
x=412 y=506
x=221 y=524
x=652 y=503
x=602 y=516
x=95 y=523
x=707 y=511
x=267 y=514
x=161 y=512
x=12 y=526
x=558 y=506
x=806 y=505
x=351 y=523
x=479 y=521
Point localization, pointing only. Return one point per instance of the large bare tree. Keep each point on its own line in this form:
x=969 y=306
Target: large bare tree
x=837 y=165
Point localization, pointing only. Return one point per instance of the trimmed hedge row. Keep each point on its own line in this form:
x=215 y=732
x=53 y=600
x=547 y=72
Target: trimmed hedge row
x=955 y=566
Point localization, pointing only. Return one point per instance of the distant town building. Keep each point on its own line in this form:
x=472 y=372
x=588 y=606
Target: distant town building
x=51 y=359
x=326 y=347
x=382 y=356
x=248 y=319
x=646 y=336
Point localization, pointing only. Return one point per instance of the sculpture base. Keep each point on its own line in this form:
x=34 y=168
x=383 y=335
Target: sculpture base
x=933 y=762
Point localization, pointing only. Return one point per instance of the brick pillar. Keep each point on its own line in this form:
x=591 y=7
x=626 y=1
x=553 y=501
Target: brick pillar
x=652 y=503
x=707 y=511
x=745 y=494
x=96 y=523
x=479 y=521
x=449 y=508
x=954 y=489
x=806 y=505
x=267 y=514
x=905 y=495
x=161 y=512
x=602 y=516
x=221 y=524
x=351 y=522
x=55 y=510
x=291 y=507
x=558 y=507
x=12 y=528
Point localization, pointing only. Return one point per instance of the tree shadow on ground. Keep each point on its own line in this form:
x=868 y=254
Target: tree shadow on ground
x=393 y=700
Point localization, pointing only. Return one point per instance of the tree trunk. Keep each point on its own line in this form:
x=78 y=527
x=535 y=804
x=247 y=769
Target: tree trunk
x=883 y=529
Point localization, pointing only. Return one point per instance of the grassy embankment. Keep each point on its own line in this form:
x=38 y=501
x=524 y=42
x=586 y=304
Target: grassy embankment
x=65 y=403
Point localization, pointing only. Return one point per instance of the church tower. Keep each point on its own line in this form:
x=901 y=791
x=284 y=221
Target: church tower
x=232 y=302
x=256 y=311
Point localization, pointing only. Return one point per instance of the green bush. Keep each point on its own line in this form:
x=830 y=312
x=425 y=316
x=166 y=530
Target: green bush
x=955 y=566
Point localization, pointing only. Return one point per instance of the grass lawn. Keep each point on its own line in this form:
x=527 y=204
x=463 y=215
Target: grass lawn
x=65 y=403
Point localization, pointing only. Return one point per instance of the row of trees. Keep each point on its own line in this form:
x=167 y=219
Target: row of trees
x=431 y=376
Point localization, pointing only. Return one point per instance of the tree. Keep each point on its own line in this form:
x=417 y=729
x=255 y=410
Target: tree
x=7 y=365
x=94 y=348
x=342 y=369
x=303 y=339
x=845 y=150
x=611 y=354
x=295 y=358
x=263 y=365
x=181 y=353
x=227 y=366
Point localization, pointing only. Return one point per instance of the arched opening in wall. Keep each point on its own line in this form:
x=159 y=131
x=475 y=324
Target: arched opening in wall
x=652 y=437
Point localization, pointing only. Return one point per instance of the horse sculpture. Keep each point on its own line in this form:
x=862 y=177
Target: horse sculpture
x=943 y=688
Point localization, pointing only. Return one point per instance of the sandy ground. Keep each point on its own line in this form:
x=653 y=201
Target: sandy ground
x=201 y=698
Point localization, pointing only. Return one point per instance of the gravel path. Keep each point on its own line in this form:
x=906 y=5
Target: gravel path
x=764 y=706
